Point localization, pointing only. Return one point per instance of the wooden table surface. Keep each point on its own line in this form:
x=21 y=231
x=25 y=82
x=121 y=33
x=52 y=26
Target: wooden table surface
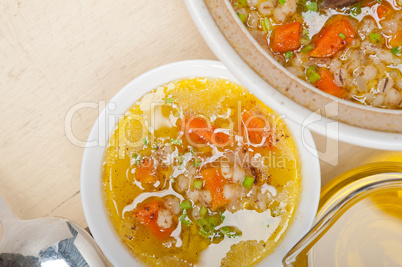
x=56 y=54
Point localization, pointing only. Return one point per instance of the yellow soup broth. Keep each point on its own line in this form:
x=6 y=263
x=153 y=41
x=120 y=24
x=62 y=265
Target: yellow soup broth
x=199 y=172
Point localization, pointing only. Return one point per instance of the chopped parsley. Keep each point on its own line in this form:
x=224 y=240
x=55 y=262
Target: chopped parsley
x=180 y=160
x=288 y=55
x=306 y=33
x=305 y=40
x=197 y=184
x=307 y=48
x=196 y=162
x=396 y=50
x=185 y=205
x=241 y=3
x=229 y=231
x=266 y=25
x=137 y=159
x=184 y=219
x=276 y=211
x=242 y=17
x=221 y=216
x=207 y=226
x=203 y=211
x=248 y=182
x=169 y=100
x=356 y=10
x=312 y=74
x=375 y=37
x=176 y=142
x=312 y=6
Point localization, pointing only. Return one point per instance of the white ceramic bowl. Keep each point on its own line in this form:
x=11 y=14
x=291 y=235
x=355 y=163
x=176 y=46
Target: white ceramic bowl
x=91 y=192
x=280 y=102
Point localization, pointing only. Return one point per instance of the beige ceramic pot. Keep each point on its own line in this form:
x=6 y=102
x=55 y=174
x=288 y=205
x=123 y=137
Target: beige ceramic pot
x=277 y=76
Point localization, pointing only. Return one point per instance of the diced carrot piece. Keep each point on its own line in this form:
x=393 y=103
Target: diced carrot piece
x=145 y=172
x=286 y=37
x=327 y=84
x=214 y=182
x=220 y=138
x=333 y=37
x=382 y=11
x=396 y=40
x=199 y=130
x=148 y=215
x=256 y=129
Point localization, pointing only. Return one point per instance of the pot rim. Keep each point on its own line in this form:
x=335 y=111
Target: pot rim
x=282 y=104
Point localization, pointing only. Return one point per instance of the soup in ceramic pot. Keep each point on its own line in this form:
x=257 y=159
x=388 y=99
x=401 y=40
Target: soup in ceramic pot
x=347 y=48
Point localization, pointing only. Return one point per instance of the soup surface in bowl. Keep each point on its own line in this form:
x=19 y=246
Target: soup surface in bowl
x=200 y=172
x=350 y=50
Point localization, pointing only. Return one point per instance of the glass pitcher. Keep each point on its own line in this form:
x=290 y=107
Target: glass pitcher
x=359 y=221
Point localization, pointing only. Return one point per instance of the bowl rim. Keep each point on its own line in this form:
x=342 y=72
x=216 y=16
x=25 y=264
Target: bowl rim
x=275 y=99
x=91 y=192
